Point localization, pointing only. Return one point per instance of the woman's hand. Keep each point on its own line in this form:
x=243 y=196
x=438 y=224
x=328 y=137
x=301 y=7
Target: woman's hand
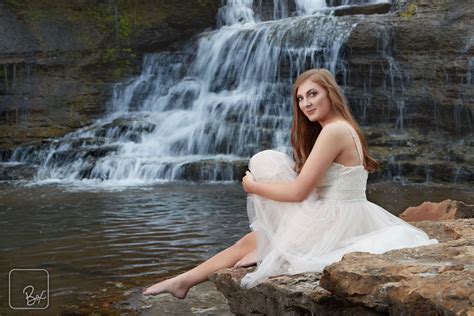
x=248 y=182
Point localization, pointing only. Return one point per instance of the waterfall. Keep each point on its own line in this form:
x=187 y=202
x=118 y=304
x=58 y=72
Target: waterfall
x=200 y=113
x=236 y=11
x=305 y=7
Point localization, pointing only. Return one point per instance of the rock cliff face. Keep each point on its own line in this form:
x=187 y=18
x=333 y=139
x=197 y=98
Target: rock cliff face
x=424 y=51
x=412 y=69
x=59 y=59
x=428 y=280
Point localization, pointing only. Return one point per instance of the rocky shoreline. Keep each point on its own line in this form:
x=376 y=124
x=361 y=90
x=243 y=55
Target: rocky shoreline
x=429 y=280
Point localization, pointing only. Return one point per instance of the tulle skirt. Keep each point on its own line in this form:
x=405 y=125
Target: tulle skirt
x=309 y=235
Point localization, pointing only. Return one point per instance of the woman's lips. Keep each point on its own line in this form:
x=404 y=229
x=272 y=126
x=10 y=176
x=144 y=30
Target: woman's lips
x=311 y=111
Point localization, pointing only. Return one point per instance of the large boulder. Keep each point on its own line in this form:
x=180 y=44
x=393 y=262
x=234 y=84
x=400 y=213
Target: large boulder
x=427 y=280
x=431 y=211
x=282 y=295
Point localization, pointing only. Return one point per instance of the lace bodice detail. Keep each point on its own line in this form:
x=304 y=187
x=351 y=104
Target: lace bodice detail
x=343 y=183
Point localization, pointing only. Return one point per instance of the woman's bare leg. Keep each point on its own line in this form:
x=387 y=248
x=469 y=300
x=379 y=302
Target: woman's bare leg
x=248 y=260
x=179 y=285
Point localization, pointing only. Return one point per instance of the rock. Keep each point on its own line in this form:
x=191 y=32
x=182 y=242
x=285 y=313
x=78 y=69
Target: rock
x=282 y=295
x=378 y=8
x=430 y=211
x=411 y=155
x=203 y=299
x=59 y=59
x=214 y=169
x=447 y=230
x=415 y=281
x=424 y=50
x=5 y=154
x=9 y=171
x=428 y=280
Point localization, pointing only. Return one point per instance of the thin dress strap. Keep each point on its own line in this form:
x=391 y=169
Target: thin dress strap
x=355 y=142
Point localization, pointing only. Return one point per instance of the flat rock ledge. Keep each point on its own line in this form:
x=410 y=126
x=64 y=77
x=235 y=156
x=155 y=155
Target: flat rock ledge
x=428 y=280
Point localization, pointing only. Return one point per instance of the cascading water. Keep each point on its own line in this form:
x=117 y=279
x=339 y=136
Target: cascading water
x=199 y=114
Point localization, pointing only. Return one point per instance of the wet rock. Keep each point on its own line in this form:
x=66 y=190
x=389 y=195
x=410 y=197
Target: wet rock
x=203 y=299
x=84 y=142
x=282 y=295
x=414 y=59
x=5 y=154
x=10 y=172
x=127 y=124
x=411 y=155
x=433 y=279
x=67 y=156
x=379 y=8
x=126 y=128
x=431 y=211
x=210 y=169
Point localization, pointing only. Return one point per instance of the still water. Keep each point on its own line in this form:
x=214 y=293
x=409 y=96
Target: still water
x=97 y=245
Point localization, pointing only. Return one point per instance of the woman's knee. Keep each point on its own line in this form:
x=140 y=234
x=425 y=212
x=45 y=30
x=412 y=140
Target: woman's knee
x=267 y=154
x=247 y=242
x=267 y=164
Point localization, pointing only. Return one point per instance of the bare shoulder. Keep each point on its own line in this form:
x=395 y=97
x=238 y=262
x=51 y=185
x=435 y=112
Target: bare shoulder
x=334 y=130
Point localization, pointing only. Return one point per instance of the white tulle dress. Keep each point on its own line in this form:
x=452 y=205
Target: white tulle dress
x=335 y=219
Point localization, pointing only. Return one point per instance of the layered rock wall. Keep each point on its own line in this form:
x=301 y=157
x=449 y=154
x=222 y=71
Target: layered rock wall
x=59 y=59
x=414 y=65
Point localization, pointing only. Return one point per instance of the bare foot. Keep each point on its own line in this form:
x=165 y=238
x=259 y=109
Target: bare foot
x=174 y=286
x=248 y=260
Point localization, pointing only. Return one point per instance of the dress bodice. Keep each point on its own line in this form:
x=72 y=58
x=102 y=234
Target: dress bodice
x=343 y=183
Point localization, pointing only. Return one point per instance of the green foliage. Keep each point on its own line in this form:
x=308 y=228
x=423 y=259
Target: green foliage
x=410 y=10
x=124 y=27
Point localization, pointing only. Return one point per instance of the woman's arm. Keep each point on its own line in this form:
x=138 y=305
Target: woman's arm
x=326 y=148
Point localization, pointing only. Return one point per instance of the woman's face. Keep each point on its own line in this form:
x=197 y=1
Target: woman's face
x=313 y=101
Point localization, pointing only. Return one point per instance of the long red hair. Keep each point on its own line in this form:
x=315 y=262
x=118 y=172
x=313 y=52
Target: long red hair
x=304 y=132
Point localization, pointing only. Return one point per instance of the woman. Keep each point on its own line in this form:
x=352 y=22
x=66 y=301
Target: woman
x=307 y=212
